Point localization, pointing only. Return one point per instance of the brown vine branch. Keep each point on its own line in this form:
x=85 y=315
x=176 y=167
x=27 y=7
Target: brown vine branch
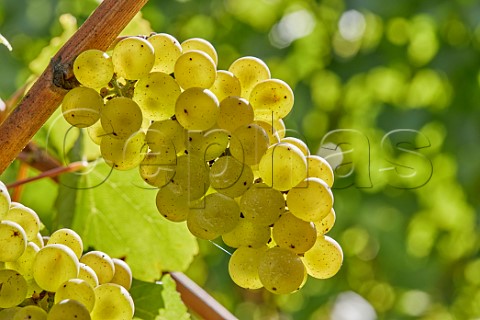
x=98 y=32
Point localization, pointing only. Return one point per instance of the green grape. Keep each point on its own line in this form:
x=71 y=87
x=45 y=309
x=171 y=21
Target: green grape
x=195 y=69
x=270 y=130
x=124 y=154
x=271 y=99
x=24 y=264
x=197 y=109
x=53 y=265
x=93 y=68
x=230 y=177
x=249 y=143
x=293 y=233
x=133 y=58
x=247 y=233
x=5 y=200
x=76 y=289
x=324 y=259
x=13 y=288
x=249 y=71
x=113 y=302
x=121 y=117
x=156 y=94
x=96 y=132
x=207 y=145
x=226 y=85
x=310 y=200
x=297 y=143
x=69 y=309
x=262 y=204
x=167 y=50
x=123 y=274
x=217 y=215
x=158 y=168
x=173 y=203
x=101 y=263
x=69 y=238
x=38 y=240
x=88 y=274
x=279 y=126
x=191 y=176
x=31 y=312
x=9 y=313
x=234 y=113
x=281 y=271
x=165 y=133
x=243 y=266
x=13 y=241
x=283 y=166
x=26 y=218
x=81 y=107
x=201 y=45
x=326 y=224
x=318 y=167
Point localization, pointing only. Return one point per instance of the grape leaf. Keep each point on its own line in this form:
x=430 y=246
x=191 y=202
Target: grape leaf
x=5 y=42
x=146 y=296
x=120 y=217
x=174 y=308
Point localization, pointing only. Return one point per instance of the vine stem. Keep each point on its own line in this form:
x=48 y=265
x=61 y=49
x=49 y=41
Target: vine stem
x=98 y=32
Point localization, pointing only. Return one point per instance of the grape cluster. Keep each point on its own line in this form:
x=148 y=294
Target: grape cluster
x=50 y=278
x=213 y=143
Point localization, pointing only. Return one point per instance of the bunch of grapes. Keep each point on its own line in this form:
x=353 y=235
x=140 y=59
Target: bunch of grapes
x=213 y=143
x=50 y=278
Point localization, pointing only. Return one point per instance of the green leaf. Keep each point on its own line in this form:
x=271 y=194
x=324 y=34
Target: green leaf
x=5 y=42
x=120 y=217
x=146 y=296
x=174 y=308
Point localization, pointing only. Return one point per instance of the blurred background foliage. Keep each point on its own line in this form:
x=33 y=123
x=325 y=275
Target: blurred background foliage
x=396 y=86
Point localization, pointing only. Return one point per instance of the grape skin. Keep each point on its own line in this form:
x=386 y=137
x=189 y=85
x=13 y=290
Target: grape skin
x=101 y=263
x=5 y=200
x=197 y=109
x=13 y=288
x=93 y=68
x=167 y=50
x=112 y=302
x=78 y=290
x=26 y=218
x=249 y=143
x=69 y=309
x=133 y=58
x=243 y=267
x=310 y=200
x=31 y=313
x=293 y=233
x=324 y=259
x=13 y=241
x=201 y=45
x=226 y=85
x=249 y=71
x=121 y=117
x=234 y=113
x=123 y=274
x=195 y=69
x=69 y=238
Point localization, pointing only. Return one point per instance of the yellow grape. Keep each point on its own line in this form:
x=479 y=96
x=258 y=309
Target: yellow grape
x=324 y=259
x=69 y=309
x=173 y=202
x=226 y=85
x=96 y=132
x=271 y=99
x=249 y=71
x=281 y=271
x=81 y=107
x=283 y=166
x=293 y=233
x=30 y=312
x=13 y=241
x=191 y=176
x=69 y=238
x=207 y=145
x=230 y=177
x=133 y=58
x=262 y=204
x=162 y=134
x=273 y=136
x=156 y=94
x=88 y=274
x=5 y=200
x=123 y=274
x=24 y=264
x=247 y=233
x=93 y=68
x=197 y=109
x=326 y=224
x=113 y=302
x=243 y=266
x=101 y=263
x=53 y=265
x=9 y=313
x=201 y=45
x=76 y=289
x=121 y=117
x=13 y=288
x=249 y=143
x=195 y=69
x=124 y=154
x=297 y=143
x=234 y=113
x=26 y=218
x=310 y=200
x=158 y=168
x=167 y=50
x=318 y=167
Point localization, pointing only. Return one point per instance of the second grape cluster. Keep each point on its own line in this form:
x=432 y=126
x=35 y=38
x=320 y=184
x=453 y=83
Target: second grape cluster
x=213 y=143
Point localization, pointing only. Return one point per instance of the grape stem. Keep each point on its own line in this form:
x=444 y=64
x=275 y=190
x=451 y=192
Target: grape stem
x=98 y=32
